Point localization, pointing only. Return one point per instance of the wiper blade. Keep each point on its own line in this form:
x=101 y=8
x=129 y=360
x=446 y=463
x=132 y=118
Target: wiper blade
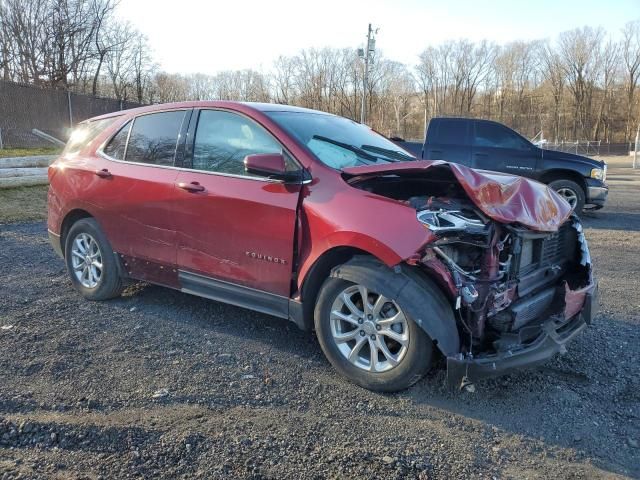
x=352 y=148
x=392 y=155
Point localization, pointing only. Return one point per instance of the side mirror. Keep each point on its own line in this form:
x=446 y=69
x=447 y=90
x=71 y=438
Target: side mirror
x=266 y=164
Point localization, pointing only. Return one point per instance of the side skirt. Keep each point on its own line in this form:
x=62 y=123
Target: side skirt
x=240 y=296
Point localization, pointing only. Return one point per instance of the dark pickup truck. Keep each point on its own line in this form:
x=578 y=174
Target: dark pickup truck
x=490 y=145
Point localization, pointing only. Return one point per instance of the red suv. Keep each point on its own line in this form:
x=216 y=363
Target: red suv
x=316 y=218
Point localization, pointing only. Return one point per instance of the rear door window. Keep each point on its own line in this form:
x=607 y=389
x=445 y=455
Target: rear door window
x=496 y=136
x=154 y=138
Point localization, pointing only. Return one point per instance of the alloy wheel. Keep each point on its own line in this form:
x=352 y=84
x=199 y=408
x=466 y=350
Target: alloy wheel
x=86 y=260
x=369 y=329
x=569 y=195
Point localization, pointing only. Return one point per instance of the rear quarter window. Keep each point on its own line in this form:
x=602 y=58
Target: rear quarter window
x=116 y=147
x=85 y=133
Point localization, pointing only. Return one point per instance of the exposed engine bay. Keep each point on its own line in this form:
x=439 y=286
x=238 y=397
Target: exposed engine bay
x=504 y=280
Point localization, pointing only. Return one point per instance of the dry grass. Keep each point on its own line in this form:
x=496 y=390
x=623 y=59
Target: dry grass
x=22 y=204
x=27 y=152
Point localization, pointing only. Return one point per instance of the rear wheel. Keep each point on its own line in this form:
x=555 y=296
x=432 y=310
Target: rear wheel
x=91 y=262
x=369 y=338
x=571 y=192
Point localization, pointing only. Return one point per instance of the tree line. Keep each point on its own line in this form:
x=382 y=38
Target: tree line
x=581 y=85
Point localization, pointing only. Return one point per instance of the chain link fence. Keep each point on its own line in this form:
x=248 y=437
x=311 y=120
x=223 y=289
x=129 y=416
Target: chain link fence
x=589 y=148
x=55 y=112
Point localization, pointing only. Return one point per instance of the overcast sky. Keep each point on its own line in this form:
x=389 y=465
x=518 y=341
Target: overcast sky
x=209 y=36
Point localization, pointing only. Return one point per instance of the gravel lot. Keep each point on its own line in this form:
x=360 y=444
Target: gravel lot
x=159 y=383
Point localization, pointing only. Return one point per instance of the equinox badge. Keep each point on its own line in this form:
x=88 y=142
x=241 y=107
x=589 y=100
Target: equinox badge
x=267 y=258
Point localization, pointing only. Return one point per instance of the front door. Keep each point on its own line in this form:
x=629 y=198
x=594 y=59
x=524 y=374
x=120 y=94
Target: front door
x=497 y=148
x=232 y=226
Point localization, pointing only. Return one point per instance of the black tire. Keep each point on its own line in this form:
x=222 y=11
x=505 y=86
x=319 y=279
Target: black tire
x=414 y=364
x=570 y=185
x=110 y=283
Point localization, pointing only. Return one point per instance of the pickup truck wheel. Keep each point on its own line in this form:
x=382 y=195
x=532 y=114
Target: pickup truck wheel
x=368 y=337
x=91 y=262
x=571 y=192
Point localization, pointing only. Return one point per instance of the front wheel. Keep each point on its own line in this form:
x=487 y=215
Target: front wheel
x=369 y=338
x=571 y=192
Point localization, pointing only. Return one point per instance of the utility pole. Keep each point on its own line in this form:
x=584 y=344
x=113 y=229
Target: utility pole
x=635 y=148
x=367 y=55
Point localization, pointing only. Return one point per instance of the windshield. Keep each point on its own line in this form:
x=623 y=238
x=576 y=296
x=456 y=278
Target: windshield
x=339 y=142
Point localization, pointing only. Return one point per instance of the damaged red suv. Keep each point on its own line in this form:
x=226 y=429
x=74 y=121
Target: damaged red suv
x=318 y=219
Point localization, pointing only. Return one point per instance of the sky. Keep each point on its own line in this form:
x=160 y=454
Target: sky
x=208 y=36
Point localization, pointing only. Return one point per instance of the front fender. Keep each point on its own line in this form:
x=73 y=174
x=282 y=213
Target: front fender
x=384 y=228
x=417 y=295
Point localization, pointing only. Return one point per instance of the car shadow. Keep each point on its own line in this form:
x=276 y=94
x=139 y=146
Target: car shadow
x=625 y=221
x=526 y=403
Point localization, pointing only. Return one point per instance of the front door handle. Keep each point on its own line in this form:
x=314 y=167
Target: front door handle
x=191 y=187
x=104 y=173
x=481 y=154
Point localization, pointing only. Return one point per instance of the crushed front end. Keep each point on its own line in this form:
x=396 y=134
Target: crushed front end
x=509 y=253
x=520 y=295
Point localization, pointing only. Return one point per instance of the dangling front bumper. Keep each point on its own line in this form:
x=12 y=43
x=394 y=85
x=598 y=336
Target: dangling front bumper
x=556 y=333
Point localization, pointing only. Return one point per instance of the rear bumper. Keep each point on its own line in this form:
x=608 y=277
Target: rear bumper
x=555 y=335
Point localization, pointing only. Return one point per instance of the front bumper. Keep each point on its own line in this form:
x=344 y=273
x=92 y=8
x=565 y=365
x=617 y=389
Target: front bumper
x=597 y=194
x=555 y=335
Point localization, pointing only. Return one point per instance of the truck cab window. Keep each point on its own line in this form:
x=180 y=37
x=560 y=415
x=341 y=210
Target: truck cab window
x=497 y=136
x=450 y=132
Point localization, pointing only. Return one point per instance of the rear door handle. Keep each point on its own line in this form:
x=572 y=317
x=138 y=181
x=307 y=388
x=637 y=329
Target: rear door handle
x=191 y=187
x=104 y=173
x=481 y=154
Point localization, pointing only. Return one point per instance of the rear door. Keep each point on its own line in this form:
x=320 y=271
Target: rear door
x=135 y=192
x=448 y=139
x=234 y=227
x=498 y=148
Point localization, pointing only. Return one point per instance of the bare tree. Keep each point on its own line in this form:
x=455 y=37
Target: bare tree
x=577 y=86
x=555 y=79
x=581 y=57
x=631 y=59
x=169 y=87
x=609 y=71
x=283 y=79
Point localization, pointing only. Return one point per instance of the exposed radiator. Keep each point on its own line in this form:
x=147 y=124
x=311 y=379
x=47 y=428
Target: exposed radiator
x=554 y=249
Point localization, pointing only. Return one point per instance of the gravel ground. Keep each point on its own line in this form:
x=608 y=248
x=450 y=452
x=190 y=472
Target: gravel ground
x=159 y=383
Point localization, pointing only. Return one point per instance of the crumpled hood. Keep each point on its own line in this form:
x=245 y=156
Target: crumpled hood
x=504 y=198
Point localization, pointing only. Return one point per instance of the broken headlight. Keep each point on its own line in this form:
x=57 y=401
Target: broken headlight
x=443 y=221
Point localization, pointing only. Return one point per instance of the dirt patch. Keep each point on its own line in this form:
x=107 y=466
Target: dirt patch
x=159 y=383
